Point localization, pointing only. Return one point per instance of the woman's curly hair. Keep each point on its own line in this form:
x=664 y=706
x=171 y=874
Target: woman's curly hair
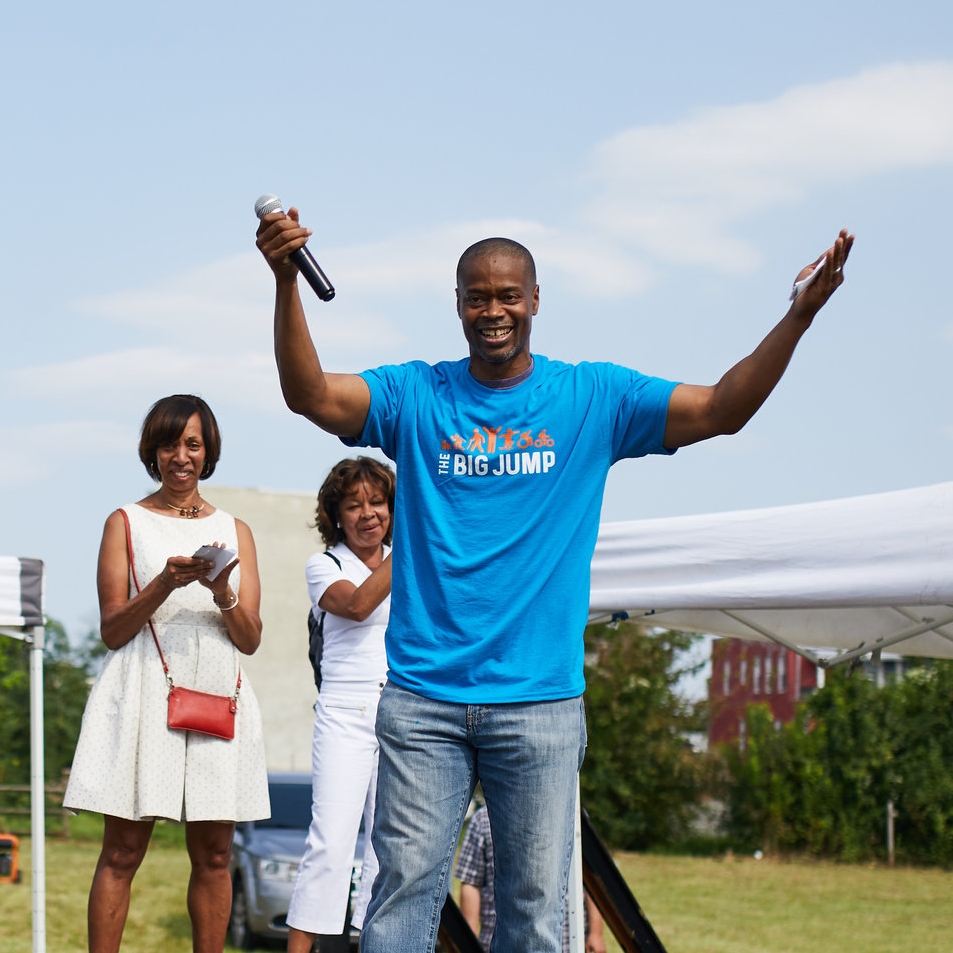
x=343 y=476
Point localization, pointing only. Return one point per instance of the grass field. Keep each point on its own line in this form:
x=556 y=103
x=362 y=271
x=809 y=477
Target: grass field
x=695 y=905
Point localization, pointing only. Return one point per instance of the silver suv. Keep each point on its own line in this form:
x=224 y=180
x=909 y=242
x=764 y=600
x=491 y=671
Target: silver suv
x=265 y=857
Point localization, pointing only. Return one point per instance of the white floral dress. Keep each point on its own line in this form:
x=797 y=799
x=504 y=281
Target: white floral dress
x=128 y=762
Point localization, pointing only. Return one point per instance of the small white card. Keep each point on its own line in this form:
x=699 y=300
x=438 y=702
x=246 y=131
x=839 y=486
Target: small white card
x=799 y=286
x=215 y=554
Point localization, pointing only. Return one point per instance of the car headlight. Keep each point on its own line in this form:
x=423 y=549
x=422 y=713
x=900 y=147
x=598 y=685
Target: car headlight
x=280 y=870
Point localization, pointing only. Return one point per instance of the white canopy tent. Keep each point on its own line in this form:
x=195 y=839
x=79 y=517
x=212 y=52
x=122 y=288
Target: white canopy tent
x=22 y=584
x=857 y=575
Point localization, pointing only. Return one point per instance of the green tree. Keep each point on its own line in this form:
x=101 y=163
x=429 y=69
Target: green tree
x=817 y=783
x=640 y=781
x=759 y=812
x=822 y=783
x=920 y=780
x=853 y=746
x=65 y=690
x=66 y=684
x=14 y=711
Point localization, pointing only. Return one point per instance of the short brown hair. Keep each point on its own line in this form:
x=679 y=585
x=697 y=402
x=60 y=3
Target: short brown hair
x=338 y=484
x=164 y=424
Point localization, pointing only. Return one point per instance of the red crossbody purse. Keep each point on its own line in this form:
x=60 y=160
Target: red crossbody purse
x=190 y=710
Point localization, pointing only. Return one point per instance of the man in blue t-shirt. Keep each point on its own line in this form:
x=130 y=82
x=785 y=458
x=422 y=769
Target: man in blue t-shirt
x=501 y=459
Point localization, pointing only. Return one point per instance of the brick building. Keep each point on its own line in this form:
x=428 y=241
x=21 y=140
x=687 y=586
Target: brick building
x=743 y=673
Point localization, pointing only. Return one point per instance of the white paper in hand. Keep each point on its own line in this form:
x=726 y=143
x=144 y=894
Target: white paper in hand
x=799 y=286
x=215 y=554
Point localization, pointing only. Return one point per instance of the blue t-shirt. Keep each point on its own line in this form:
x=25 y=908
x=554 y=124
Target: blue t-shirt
x=496 y=517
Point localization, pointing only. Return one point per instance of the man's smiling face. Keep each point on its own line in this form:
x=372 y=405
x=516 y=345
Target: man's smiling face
x=496 y=301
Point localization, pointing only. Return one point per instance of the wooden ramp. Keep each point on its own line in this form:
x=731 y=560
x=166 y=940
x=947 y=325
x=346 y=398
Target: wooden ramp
x=601 y=878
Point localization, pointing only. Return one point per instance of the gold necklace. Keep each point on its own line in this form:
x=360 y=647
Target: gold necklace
x=189 y=512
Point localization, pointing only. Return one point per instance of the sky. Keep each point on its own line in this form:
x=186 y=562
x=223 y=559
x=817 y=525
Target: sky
x=671 y=166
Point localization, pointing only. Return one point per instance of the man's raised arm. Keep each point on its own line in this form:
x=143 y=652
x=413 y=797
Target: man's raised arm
x=337 y=403
x=697 y=413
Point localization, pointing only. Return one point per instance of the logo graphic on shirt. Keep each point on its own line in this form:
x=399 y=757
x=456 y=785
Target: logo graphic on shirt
x=496 y=451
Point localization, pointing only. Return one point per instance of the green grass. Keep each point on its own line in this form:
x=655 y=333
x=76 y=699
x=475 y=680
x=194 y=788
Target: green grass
x=744 y=905
x=696 y=905
x=158 y=920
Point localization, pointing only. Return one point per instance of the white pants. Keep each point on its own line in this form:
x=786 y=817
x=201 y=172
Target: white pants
x=344 y=784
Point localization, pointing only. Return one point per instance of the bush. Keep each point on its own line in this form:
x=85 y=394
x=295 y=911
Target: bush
x=822 y=783
x=641 y=781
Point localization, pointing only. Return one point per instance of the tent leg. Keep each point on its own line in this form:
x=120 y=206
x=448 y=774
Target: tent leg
x=455 y=935
x=575 y=899
x=616 y=903
x=37 y=789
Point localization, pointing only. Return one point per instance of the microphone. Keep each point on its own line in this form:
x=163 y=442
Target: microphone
x=302 y=258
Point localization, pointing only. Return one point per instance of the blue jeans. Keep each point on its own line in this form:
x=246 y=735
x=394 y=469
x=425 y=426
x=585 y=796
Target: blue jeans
x=432 y=754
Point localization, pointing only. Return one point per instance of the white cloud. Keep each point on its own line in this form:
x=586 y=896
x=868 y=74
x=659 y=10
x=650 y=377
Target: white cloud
x=227 y=305
x=423 y=265
x=669 y=193
x=140 y=374
x=675 y=190
x=227 y=296
x=34 y=452
x=222 y=308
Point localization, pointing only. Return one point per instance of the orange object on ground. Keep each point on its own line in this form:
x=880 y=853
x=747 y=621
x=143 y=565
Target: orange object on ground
x=9 y=859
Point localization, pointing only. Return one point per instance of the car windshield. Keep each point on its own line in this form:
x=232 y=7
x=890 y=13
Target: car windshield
x=290 y=806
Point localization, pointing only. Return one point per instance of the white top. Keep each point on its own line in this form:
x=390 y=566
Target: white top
x=353 y=651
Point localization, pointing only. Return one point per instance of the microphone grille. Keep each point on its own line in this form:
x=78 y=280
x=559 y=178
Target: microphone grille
x=267 y=204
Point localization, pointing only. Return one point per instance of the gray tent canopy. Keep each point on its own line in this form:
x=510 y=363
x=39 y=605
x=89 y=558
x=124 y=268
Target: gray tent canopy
x=856 y=575
x=21 y=592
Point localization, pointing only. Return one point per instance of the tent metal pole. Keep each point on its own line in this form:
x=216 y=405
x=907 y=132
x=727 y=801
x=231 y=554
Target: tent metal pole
x=888 y=640
x=797 y=649
x=37 y=788
x=15 y=634
x=575 y=899
x=907 y=614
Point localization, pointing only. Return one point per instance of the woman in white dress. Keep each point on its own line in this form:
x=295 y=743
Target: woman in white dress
x=349 y=585
x=129 y=765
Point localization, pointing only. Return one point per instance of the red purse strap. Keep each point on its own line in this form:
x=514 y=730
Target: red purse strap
x=132 y=566
x=152 y=628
